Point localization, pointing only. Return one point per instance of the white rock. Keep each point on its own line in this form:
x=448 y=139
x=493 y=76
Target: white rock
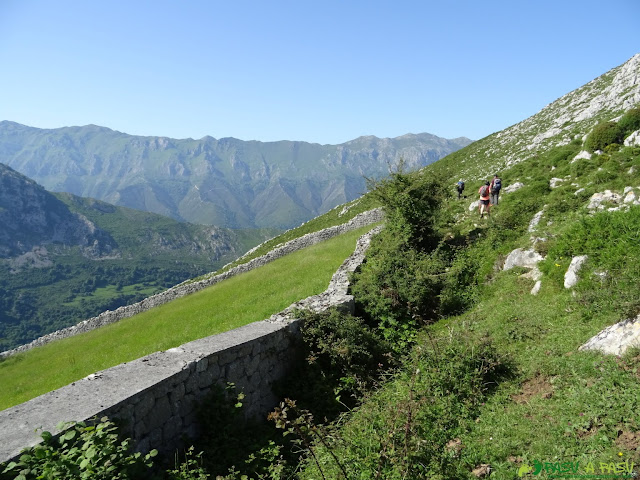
x=616 y=339
x=474 y=205
x=522 y=258
x=571 y=277
x=534 y=274
x=536 y=287
x=579 y=191
x=513 y=187
x=582 y=155
x=597 y=199
x=630 y=197
x=535 y=221
x=553 y=183
x=633 y=139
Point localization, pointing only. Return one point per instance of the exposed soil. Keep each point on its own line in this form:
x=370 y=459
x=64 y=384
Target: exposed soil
x=537 y=386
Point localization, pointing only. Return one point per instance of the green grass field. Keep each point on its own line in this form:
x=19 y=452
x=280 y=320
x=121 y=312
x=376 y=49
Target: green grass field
x=240 y=300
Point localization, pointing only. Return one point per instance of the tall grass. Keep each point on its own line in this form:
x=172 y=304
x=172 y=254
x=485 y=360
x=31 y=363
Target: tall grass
x=240 y=300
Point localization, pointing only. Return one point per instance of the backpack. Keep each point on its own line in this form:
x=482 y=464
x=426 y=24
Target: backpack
x=497 y=184
x=460 y=186
x=484 y=191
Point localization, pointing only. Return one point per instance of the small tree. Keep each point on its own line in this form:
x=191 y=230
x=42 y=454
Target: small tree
x=411 y=202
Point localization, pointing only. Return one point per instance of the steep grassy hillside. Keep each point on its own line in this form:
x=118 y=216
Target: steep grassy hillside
x=495 y=384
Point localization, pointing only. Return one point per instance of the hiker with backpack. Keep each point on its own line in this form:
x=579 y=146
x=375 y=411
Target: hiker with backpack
x=496 y=186
x=485 y=195
x=460 y=187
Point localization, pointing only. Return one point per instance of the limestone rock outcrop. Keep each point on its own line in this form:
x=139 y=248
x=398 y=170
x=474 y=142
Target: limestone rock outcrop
x=616 y=339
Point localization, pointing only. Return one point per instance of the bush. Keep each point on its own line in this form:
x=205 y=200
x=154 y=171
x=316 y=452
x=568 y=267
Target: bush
x=398 y=288
x=630 y=122
x=342 y=357
x=404 y=429
x=411 y=203
x=602 y=135
x=92 y=452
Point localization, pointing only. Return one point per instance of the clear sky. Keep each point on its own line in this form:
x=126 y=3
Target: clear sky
x=323 y=71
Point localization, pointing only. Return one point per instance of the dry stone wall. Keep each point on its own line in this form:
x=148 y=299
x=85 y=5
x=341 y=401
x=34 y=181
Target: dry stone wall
x=155 y=397
x=360 y=220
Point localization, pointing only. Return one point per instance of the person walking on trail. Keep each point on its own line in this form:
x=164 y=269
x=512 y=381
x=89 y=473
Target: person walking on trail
x=485 y=195
x=460 y=187
x=496 y=186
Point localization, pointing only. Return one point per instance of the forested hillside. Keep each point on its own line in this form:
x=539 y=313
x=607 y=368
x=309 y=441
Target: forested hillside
x=65 y=258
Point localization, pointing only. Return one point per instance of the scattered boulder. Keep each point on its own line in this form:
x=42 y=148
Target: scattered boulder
x=583 y=155
x=597 y=199
x=536 y=288
x=554 y=182
x=632 y=140
x=474 y=205
x=522 y=258
x=571 y=277
x=616 y=339
x=630 y=197
x=513 y=187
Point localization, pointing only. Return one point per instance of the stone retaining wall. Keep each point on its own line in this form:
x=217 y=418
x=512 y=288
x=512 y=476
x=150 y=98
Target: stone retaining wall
x=105 y=318
x=155 y=397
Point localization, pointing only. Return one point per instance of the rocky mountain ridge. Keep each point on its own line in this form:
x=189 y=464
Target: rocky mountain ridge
x=568 y=118
x=226 y=182
x=32 y=218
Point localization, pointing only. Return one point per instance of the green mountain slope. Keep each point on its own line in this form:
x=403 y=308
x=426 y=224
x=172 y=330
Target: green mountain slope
x=225 y=182
x=496 y=385
x=65 y=258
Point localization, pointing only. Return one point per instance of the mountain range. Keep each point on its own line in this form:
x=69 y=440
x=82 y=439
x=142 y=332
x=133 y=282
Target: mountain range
x=64 y=258
x=225 y=182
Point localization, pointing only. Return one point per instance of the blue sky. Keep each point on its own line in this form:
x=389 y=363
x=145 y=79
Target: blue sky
x=325 y=71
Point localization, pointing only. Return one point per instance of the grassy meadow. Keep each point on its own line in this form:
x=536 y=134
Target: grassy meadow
x=245 y=298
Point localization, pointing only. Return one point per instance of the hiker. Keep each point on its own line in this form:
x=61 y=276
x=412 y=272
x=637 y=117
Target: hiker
x=460 y=187
x=485 y=195
x=496 y=185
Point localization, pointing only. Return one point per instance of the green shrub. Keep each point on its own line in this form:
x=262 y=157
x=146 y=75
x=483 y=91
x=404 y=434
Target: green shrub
x=411 y=203
x=630 y=122
x=602 y=135
x=398 y=288
x=83 y=451
x=341 y=356
x=512 y=217
x=460 y=289
x=404 y=429
x=190 y=469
